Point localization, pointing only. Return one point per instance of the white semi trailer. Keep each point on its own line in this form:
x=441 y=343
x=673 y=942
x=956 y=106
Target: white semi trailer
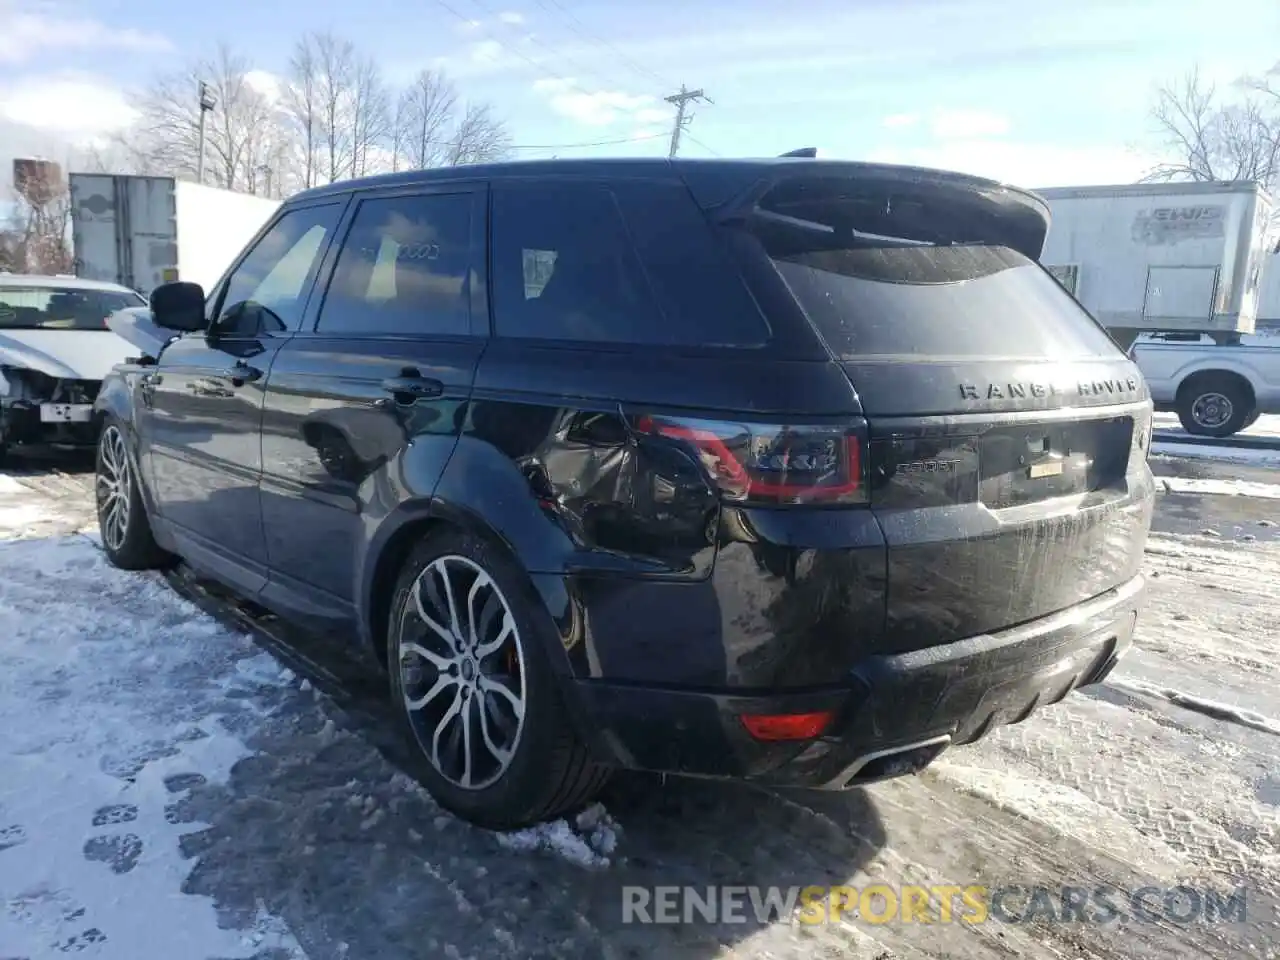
x=141 y=232
x=1152 y=258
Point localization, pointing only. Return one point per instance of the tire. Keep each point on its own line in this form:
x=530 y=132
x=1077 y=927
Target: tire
x=1214 y=405
x=1252 y=419
x=122 y=516
x=546 y=771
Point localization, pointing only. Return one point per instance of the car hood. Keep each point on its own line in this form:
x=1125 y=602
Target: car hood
x=137 y=326
x=66 y=354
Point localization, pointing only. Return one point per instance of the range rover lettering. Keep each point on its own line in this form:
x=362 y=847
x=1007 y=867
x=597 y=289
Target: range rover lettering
x=651 y=464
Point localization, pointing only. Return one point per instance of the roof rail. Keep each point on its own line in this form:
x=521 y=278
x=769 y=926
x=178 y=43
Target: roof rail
x=810 y=152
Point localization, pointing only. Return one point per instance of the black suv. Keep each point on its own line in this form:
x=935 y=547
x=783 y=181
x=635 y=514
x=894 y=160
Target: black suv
x=790 y=470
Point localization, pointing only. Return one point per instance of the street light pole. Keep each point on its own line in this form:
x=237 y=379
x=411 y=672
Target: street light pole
x=207 y=102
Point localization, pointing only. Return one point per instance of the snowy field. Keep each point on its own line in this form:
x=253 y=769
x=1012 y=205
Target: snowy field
x=170 y=790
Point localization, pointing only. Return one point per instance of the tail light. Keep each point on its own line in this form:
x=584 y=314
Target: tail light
x=772 y=464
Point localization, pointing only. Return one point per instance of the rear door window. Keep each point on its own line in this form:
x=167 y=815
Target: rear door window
x=880 y=275
x=632 y=263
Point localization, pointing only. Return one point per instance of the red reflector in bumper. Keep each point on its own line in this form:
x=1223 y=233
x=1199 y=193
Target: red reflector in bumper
x=786 y=726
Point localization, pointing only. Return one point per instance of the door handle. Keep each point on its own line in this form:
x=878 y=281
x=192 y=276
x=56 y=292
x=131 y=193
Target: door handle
x=408 y=388
x=241 y=374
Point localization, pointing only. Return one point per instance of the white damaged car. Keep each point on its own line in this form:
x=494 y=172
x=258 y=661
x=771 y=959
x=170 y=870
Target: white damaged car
x=55 y=349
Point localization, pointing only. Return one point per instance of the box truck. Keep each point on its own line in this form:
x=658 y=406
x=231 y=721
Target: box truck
x=141 y=232
x=1147 y=258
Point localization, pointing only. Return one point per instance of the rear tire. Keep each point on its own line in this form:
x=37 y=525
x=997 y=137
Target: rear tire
x=122 y=517
x=500 y=758
x=1214 y=405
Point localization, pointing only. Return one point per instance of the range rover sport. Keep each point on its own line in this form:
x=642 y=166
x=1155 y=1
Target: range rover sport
x=790 y=470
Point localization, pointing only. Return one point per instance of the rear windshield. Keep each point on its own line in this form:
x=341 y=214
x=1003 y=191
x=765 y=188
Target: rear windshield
x=887 y=293
x=61 y=308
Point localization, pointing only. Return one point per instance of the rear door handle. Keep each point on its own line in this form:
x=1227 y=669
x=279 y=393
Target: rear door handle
x=410 y=387
x=241 y=374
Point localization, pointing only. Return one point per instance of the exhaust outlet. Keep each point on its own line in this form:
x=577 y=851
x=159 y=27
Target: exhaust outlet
x=894 y=762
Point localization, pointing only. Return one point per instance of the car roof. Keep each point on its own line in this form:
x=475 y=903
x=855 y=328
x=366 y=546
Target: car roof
x=730 y=175
x=55 y=280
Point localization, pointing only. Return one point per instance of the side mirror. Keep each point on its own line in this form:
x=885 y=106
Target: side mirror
x=178 y=306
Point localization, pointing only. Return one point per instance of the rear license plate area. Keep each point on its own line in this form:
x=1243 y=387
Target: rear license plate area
x=65 y=412
x=1027 y=463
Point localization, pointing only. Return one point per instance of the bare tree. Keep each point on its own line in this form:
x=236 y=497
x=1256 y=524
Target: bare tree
x=166 y=138
x=401 y=133
x=1209 y=138
x=477 y=138
x=335 y=71
x=302 y=106
x=370 y=116
x=271 y=165
x=36 y=239
x=12 y=253
x=334 y=117
x=426 y=109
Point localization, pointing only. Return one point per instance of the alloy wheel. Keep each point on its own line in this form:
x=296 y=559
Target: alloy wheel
x=462 y=672
x=113 y=486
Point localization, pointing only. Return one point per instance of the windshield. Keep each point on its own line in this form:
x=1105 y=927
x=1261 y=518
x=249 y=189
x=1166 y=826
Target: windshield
x=61 y=308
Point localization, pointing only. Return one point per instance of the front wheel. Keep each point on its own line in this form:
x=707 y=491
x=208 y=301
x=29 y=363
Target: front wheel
x=122 y=517
x=473 y=685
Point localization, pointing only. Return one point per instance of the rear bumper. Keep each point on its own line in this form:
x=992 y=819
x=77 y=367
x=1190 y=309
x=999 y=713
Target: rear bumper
x=927 y=699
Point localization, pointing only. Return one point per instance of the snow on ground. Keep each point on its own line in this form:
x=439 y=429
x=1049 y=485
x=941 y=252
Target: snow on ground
x=1182 y=744
x=1161 y=450
x=105 y=720
x=168 y=790
x=1267 y=426
x=130 y=726
x=1210 y=485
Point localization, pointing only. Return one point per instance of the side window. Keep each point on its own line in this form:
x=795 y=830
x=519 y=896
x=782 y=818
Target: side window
x=634 y=263
x=268 y=290
x=564 y=267
x=404 y=268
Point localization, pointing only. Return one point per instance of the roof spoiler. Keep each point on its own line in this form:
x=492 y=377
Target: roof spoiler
x=809 y=152
x=992 y=211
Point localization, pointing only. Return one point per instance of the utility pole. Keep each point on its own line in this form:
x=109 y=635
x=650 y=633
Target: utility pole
x=207 y=102
x=680 y=100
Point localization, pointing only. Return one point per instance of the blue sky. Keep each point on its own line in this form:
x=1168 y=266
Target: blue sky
x=1038 y=94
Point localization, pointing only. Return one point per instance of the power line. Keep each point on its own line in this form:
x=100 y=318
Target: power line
x=593 y=143
x=680 y=100
x=571 y=20
x=710 y=150
x=550 y=74
x=536 y=42
x=565 y=146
